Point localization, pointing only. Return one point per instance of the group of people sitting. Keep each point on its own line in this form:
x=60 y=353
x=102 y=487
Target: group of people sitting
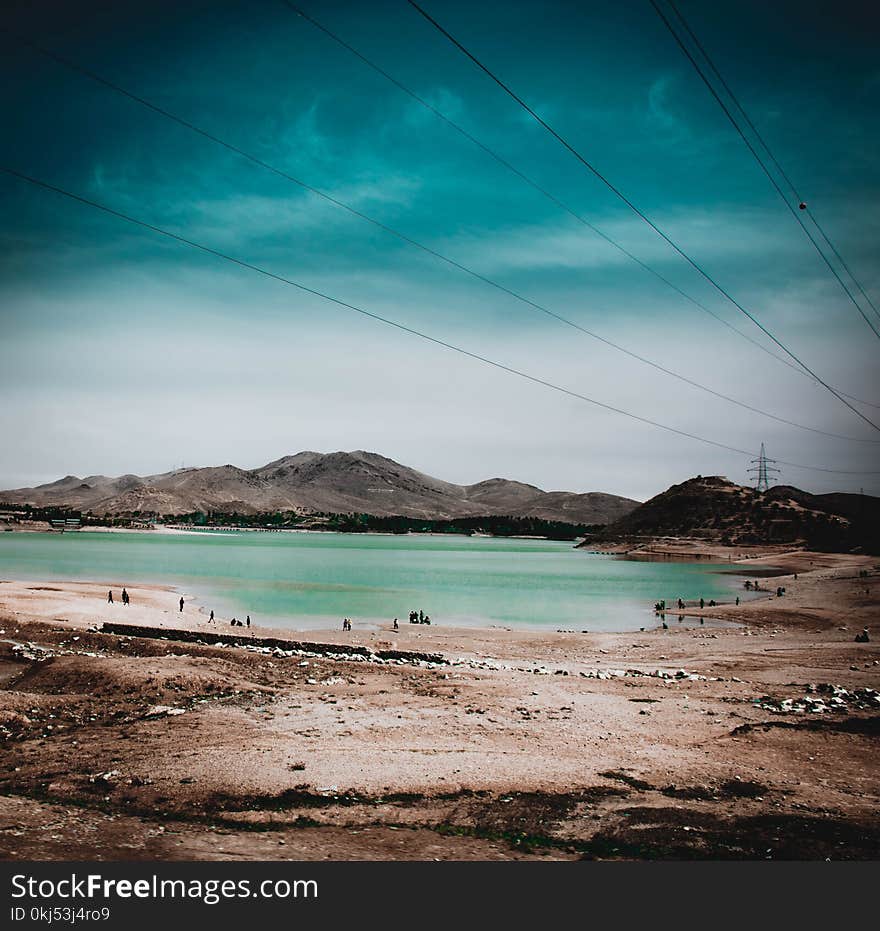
x=233 y=623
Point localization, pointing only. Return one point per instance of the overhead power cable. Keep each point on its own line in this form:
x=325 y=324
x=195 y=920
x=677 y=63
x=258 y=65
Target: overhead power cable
x=792 y=209
x=427 y=249
x=241 y=263
x=553 y=198
x=618 y=193
x=802 y=202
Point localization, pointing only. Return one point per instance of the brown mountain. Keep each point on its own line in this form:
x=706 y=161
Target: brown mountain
x=339 y=483
x=713 y=508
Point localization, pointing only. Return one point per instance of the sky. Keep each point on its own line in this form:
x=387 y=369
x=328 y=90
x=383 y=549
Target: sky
x=122 y=350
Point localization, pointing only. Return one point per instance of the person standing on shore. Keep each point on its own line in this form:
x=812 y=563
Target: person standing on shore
x=181 y=602
x=125 y=597
x=211 y=618
x=110 y=597
x=249 y=620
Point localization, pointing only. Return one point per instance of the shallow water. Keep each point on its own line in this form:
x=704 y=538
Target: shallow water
x=309 y=580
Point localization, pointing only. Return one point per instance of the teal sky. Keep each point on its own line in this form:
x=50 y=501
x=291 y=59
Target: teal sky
x=122 y=351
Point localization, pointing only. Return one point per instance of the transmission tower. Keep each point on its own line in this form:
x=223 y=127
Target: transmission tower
x=763 y=469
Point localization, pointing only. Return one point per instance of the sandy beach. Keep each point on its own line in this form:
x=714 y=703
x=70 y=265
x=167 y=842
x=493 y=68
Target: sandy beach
x=756 y=740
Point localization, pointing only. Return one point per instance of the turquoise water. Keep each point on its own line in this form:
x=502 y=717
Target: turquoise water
x=308 y=580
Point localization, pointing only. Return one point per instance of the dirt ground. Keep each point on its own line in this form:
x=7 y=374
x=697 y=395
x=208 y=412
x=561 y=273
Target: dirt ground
x=754 y=741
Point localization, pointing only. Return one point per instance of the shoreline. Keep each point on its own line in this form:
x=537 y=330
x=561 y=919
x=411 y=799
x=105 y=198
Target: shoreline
x=156 y=605
x=90 y=596
x=781 y=564
x=179 y=529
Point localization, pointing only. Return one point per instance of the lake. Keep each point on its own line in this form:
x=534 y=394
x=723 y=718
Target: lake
x=313 y=580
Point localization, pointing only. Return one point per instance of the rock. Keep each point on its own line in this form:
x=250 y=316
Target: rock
x=31 y=652
x=159 y=711
x=110 y=776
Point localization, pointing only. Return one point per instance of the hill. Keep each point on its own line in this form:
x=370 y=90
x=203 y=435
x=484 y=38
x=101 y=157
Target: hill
x=336 y=483
x=715 y=509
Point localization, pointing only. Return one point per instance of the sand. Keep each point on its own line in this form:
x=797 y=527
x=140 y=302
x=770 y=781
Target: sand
x=520 y=744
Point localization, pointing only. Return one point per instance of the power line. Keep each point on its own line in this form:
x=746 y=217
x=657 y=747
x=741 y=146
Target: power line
x=595 y=171
x=73 y=66
x=800 y=200
x=241 y=263
x=552 y=197
x=791 y=209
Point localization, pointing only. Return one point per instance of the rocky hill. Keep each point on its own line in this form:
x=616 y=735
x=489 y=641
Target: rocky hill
x=715 y=509
x=310 y=482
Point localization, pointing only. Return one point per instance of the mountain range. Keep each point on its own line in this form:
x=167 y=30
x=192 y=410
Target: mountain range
x=310 y=482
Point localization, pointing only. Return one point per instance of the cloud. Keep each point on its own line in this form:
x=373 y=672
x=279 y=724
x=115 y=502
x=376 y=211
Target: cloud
x=731 y=234
x=660 y=110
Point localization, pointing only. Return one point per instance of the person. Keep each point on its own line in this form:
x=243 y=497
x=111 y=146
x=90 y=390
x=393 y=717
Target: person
x=680 y=604
x=421 y=617
x=737 y=600
x=249 y=620
x=863 y=637
x=395 y=624
x=702 y=621
x=665 y=626
x=124 y=597
x=110 y=597
x=211 y=618
x=712 y=603
x=181 y=602
x=702 y=603
x=426 y=620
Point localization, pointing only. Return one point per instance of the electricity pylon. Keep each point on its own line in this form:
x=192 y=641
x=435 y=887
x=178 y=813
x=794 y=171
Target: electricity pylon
x=763 y=468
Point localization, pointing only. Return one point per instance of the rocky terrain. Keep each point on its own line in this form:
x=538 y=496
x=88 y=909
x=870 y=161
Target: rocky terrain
x=340 y=482
x=713 y=509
